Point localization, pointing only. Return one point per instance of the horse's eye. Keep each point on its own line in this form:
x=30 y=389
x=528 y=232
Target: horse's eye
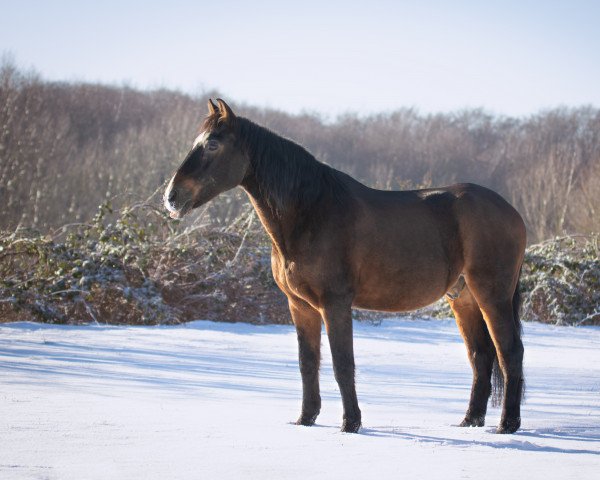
x=212 y=145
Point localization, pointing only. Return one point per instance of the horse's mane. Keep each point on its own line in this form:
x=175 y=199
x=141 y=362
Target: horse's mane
x=286 y=173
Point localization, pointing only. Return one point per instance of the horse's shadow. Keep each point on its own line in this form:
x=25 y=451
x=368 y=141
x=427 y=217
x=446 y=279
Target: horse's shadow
x=522 y=440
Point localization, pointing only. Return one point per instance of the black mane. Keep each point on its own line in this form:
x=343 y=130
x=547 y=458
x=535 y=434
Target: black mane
x=286 y=173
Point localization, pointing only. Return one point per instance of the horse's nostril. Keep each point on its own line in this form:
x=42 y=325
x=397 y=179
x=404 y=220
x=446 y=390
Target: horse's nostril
x=172 y=195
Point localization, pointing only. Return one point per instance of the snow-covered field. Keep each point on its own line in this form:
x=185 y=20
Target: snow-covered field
x=210 y=400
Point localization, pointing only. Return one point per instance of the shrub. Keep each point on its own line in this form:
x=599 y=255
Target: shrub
x=561 y=281
x=137 y=266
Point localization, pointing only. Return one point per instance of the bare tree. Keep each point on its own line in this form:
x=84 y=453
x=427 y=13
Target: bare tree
x=65 y=148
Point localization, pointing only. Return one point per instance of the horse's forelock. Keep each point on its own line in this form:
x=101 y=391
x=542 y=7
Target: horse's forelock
x=211 y=122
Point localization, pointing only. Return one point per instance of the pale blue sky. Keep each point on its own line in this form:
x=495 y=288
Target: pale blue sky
x=510 y=57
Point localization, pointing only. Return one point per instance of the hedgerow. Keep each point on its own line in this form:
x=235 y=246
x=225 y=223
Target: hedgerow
x=561 y=281
x=137 y=266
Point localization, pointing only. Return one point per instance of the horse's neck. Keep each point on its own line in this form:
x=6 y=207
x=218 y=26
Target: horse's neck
x=275 y=223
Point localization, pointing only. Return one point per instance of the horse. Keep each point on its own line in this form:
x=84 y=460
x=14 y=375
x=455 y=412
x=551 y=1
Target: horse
x=338 y=244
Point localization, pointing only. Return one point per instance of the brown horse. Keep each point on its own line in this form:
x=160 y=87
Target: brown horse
x=338 y=244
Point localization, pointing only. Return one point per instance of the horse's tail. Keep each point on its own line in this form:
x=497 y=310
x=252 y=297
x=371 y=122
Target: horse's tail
x=497 y=378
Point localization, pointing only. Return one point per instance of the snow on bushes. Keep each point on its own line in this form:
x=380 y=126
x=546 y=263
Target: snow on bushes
x=561 y=281
x=137 y=266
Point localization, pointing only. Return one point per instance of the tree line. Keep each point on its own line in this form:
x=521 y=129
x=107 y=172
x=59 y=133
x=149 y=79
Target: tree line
x=67 y=147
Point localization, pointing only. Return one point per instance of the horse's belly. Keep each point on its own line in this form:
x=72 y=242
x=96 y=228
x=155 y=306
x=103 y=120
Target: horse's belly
x=397 y=290
x=396 y=301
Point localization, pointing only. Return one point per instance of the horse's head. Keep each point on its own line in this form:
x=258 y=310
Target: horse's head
x=214 y=164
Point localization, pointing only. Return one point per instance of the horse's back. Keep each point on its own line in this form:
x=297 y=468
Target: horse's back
x=463 y=212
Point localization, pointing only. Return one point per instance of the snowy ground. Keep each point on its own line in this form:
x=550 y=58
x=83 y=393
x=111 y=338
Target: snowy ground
x=211 y=400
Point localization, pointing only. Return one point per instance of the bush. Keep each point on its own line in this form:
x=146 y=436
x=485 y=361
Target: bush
x=137 y=266
x=561 y=281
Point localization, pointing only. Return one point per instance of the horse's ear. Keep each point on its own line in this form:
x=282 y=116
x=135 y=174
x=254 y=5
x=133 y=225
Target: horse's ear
x=227 y=115
x=212 y=108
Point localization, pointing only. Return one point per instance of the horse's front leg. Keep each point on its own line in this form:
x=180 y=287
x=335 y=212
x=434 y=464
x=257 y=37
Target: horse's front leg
x=338 y=322
x=308 y=328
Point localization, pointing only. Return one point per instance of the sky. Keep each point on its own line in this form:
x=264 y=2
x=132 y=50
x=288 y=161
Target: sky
x=326 y=57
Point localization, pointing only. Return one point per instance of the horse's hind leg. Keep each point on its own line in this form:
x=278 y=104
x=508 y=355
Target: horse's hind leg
x=308 y=328
x=338 y=321
x=480 y=350
x=497 y=309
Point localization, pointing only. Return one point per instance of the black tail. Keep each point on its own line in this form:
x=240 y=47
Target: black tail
x=497 y=377
x=497 y=384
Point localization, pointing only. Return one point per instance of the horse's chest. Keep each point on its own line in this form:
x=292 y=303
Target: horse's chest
x=294 y=279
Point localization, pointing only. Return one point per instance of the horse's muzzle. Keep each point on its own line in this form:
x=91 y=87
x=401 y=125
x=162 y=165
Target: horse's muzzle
x=177 y=201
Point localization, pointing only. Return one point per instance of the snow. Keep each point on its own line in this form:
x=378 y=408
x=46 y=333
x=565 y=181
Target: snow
x=212 y=400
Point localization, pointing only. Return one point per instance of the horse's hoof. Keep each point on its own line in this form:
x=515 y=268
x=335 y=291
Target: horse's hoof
x=473 y=421
x=509 y=426
x=351 y=426
x=307 y=420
